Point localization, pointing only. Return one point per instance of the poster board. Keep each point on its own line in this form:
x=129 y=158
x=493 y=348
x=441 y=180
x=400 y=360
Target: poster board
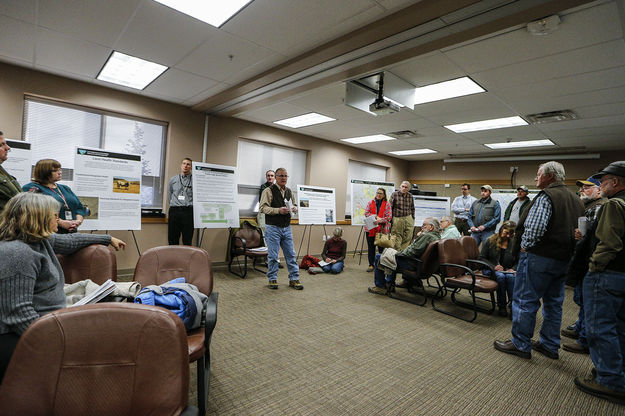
x=316 y=205
x=109 y=186
x=362 y=192
x=430 y=206
x=19 y=163
x=214 y=196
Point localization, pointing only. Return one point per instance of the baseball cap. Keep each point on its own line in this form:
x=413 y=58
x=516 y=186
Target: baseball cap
x=614 y=168
x=590 y=182
x=487 y=187
x=522 y=188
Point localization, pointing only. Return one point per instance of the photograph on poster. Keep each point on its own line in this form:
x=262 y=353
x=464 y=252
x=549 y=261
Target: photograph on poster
x=126 y=185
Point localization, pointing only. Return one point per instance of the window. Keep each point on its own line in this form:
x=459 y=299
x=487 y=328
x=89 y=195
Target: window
x=362 y=171
x=56 y=129
x=254 y=159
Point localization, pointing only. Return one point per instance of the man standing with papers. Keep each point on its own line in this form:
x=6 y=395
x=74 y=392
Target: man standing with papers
x=277 y=202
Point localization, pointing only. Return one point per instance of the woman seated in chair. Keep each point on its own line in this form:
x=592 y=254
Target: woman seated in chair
x=31 y=278
x=497 y=250
x=334 y=252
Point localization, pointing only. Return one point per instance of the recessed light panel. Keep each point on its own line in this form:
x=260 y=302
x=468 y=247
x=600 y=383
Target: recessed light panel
x=413 y=152
x=368 y=139
x=213 y=12
x=130 y=71
x=496 y=123
x=448 y=89
x=304 y=120
x=526 y=143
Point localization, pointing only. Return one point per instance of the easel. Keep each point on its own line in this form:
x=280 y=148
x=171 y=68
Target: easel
x=362 y=243
x=309 y=227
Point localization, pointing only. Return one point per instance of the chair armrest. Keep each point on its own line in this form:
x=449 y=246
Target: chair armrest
x=466 y=269
x=416 y=262
x=210 y=317
x=486 y=264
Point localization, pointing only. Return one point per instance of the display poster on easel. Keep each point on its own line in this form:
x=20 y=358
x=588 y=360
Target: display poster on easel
x=214 y=196
x=109 y=186
x=317 y=205
x=362 y=193
x=430 y=206
x=19 y=162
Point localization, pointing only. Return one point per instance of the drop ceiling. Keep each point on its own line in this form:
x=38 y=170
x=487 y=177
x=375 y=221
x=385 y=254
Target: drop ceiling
x=279 y=59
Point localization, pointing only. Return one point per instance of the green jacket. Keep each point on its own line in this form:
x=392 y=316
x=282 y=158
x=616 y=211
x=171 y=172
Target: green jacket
x=610 y=236
x=524 y=205
x=419 y=245
x=9 y=187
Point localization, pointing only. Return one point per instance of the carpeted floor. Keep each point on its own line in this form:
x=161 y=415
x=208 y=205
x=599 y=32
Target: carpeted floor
x=335 y=349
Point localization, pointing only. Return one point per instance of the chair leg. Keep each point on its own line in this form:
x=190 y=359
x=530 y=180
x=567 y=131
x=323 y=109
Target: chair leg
x=203 y=381
x=455 y=302
x=242 y=271
x=257 y=269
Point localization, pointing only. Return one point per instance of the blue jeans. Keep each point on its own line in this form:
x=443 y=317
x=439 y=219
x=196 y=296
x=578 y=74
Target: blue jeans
x=334 y=268
x=604 y=307
x=538 y=277
x=277 y=237
x=380 y=279
x=505 y=286
x=580 y=327
x=482 y=236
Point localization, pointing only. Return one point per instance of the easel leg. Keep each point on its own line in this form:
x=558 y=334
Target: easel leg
x=136 y=244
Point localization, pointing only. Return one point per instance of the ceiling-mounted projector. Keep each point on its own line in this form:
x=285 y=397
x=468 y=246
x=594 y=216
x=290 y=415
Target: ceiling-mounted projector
x=382 y=107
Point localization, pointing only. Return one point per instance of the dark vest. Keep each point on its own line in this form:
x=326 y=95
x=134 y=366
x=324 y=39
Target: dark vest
x=485 y=211
x=277 y=201
x=558 y=241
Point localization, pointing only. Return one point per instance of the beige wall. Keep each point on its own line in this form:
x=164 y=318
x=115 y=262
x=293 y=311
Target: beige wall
x=327 y=161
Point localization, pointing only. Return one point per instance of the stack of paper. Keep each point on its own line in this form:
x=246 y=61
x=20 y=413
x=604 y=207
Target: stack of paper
x=97 y=295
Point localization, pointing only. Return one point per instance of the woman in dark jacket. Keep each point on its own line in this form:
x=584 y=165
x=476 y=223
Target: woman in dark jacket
x=497 y=250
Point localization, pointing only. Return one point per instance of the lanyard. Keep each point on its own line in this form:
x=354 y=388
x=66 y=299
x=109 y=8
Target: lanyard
x=58 y=191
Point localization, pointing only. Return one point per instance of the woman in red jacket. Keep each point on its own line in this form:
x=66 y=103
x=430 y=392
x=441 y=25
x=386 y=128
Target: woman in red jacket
x=379 y=207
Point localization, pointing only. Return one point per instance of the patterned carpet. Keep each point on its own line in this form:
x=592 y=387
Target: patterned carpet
x=335 y=349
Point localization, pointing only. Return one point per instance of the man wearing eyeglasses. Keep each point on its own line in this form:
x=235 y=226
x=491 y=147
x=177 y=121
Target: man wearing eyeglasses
x=9 y=187
x=604 y=291
x=545 y=238
x=461 y=207
x=277 y=202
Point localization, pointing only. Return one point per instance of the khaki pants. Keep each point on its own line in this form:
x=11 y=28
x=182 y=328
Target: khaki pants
x=401 y=232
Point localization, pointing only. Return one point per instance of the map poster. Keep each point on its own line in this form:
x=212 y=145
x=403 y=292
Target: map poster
x=429 y=206
x=317 y=205
x=19 y=163
x=214 y=196
x=109 y=186
x=362 y=193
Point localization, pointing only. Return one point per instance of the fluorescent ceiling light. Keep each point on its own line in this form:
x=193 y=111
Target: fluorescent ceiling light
x=213 y=12
x=369 y=139
x=413 y=152
x=304 y=120
x=496 y=123
x=130 y=71
x=526 y=143
x=448 y=89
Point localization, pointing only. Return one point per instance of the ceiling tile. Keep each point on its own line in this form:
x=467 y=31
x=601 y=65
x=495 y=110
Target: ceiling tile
x=580 y=29
x=24 y=10
x=93 y=20
x=162 y=35
x=17 y=39
x=212 y=58
x=65 y=53
x=179 y=84
x=428 y=70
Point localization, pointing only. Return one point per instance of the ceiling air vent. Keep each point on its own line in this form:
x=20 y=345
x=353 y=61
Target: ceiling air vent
x=403 y=134
x=552 y=116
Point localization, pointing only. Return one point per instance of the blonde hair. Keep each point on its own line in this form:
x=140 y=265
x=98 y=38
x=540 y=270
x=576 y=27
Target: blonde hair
x=27 y=217
x=43 y=170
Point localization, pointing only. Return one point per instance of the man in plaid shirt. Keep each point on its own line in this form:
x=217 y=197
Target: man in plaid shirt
x=402 y=205
x=545 y=237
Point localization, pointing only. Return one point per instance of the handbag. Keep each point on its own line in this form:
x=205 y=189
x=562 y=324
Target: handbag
x=383 y=240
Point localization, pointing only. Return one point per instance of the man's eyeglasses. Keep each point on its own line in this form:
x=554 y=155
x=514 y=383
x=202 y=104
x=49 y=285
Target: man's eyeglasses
x=465 y=189
x=282 y=176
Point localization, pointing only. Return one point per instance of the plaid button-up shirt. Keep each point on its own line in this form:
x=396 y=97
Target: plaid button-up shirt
x=402 y=204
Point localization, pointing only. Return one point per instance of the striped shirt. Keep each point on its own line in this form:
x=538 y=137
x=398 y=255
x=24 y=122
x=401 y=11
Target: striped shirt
x=536 y=222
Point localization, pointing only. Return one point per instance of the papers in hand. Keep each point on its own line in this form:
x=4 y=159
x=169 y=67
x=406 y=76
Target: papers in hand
x=369 y=222
x=258 y=249
x=323 y=263
x=104 y=290
x=582 y=225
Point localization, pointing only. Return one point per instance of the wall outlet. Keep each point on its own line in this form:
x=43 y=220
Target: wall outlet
x=444 y=167
x=447 y=185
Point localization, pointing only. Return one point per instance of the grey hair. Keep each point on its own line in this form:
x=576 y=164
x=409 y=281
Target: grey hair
x=338 y=232
x=449 y=218
x=409 y=184
x=554 y=168
x=434 y=222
